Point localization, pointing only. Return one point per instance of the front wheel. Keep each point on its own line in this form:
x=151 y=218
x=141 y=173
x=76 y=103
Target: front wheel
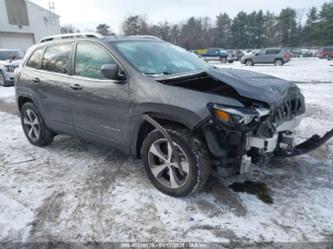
x=34 y=126
x=161 y=166
x=249 y=63
x=2 y=79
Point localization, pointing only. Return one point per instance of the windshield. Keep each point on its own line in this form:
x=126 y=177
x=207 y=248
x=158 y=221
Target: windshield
x=157 y=58
x=11 y=55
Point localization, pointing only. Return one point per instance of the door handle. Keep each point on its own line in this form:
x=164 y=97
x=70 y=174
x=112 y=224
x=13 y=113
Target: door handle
x=36 y=80
x=76 y=86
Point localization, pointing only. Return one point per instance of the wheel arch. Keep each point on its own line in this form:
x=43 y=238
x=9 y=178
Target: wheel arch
x=21 y=100
x=144 y=128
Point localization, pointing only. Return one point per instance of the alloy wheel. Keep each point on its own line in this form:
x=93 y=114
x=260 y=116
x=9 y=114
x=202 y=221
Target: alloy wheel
x=31 y=124
x=163 y=165
x=278 y=63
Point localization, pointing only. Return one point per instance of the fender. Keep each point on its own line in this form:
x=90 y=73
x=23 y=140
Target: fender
x=159 y=111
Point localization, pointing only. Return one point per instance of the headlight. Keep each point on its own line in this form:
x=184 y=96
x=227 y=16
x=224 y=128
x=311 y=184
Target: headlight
x=238 y=116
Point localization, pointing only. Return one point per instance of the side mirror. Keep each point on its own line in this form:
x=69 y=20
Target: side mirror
x=111 y=71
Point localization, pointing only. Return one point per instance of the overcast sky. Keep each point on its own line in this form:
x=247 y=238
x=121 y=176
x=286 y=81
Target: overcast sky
x=87 y=14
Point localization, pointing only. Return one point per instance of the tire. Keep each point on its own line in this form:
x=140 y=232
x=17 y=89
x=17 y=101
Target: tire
x=34 y=126
x=278 y=62
x=249 y=63
x=223 y=60
x=192 y=152
x=2 y=79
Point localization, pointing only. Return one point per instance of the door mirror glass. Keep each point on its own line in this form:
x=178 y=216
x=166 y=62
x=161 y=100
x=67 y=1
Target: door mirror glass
x=110 y=71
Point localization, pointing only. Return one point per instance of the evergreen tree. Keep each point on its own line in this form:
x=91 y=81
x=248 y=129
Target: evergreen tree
x=326 y=24
x=222 y=33
x=287 y=28
x=103 y=29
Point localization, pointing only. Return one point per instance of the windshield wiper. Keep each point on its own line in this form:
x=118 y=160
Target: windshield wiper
x=158 y=74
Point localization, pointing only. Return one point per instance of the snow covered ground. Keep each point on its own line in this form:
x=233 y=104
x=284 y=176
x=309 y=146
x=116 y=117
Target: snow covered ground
x=75 y=191
x=305 y=70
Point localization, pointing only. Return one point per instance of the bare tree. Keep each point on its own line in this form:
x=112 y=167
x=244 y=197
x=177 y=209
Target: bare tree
x=69 y=29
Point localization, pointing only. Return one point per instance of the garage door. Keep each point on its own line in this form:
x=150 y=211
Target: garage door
x=14 y=40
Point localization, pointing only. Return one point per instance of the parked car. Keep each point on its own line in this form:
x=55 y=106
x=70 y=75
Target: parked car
x=325 y=52
x=9 y=61
x=232 y=56
x=307 y=53
x=161 y=103
x=239 y=54
x=275 y=56
x=214 y=54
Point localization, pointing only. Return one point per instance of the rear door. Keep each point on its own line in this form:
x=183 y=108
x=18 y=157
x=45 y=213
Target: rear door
x=272 y=55
x=47 y=73
x=100 y=105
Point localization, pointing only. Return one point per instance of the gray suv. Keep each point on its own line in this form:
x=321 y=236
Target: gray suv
x=274 y=56
x=158 y=102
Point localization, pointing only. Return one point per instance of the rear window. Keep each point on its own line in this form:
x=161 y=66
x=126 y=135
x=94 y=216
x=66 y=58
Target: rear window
x=57 y=58
x=35 y=59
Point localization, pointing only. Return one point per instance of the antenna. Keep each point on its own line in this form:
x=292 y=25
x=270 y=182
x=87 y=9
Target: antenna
x=51 y=6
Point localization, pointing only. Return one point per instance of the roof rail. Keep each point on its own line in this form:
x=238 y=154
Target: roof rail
x=145 y=36
x=70 y=36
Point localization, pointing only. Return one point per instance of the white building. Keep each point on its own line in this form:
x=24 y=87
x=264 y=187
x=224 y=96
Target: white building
x=23 y=23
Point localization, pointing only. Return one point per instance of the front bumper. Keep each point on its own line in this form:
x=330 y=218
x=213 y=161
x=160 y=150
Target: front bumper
x=240 y=149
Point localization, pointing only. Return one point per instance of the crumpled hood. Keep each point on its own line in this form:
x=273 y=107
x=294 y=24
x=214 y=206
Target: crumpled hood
x=257 y=86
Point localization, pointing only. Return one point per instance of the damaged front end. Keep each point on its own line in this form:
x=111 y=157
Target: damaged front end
x=241 y=137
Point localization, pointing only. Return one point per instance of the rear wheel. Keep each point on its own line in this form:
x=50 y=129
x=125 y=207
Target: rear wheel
x=161 y=166
x=278 y=62
x=34 y=126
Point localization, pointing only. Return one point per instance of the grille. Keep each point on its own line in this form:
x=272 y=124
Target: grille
x=288 y=110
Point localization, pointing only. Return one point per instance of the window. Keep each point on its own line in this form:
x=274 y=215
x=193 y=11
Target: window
x=57 y=58
x=17 y=12
x=213 y=51
x=89 y=59
x=273 y=51
x=35 y=59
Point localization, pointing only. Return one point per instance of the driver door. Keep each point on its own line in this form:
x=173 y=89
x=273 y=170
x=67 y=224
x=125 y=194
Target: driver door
x=100 y=105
